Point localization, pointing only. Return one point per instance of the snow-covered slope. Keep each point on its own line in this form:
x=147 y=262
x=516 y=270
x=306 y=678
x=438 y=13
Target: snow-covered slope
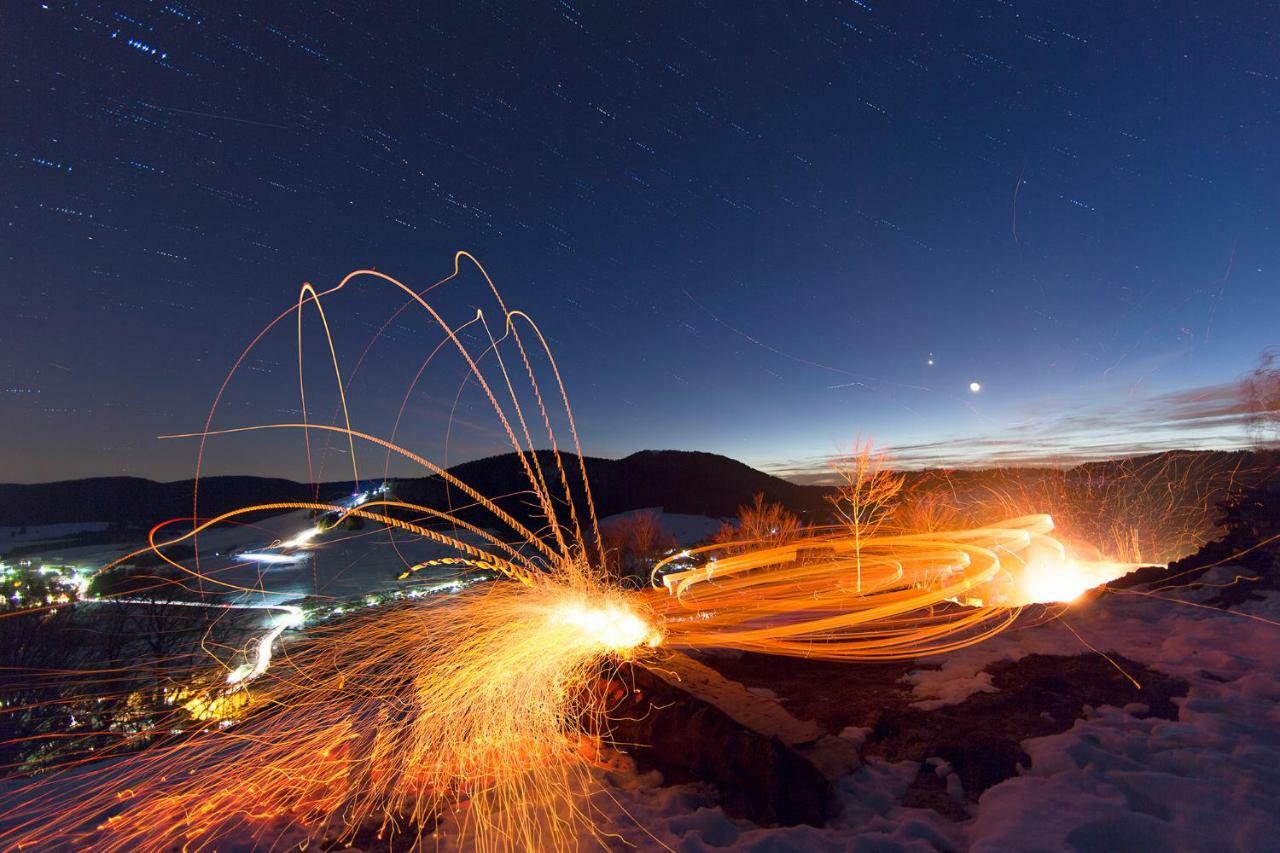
x=1209 y=780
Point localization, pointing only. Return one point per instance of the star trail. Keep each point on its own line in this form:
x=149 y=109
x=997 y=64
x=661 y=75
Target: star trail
x=972 y=231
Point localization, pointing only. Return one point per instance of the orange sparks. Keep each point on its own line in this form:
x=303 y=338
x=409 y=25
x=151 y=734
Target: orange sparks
x=467 y=715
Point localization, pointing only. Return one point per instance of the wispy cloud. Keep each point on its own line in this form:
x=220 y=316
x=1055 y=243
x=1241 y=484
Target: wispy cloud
x=1214 y=416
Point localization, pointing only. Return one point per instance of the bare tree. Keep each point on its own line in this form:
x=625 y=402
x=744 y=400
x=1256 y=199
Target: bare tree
x=634 y=542
x=759 y=522
x=1260 y=390
x=926 y=510
x=866 y=492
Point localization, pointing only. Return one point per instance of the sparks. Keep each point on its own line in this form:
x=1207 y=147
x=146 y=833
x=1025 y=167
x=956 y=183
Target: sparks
x=474 y=710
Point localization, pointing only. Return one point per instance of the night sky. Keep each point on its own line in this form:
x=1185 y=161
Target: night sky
x=747 y=228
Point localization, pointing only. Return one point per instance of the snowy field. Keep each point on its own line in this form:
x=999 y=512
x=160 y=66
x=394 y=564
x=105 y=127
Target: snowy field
x=35 y=533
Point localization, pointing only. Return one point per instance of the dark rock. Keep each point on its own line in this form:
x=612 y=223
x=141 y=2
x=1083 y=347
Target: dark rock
x=693 y=724
x=929 y=791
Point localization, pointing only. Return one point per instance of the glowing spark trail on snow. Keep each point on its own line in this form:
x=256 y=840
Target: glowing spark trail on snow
x=921 y=593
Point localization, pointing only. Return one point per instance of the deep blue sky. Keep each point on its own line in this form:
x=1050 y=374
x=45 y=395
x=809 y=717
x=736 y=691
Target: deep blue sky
x=746 y=226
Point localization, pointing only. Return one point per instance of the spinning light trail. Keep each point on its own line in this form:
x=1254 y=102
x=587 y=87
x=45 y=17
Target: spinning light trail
x=476 y=715
x=920 y=594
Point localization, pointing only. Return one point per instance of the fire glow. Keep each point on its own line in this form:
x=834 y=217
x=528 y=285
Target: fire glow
x=1063 y=581
x=610 y=625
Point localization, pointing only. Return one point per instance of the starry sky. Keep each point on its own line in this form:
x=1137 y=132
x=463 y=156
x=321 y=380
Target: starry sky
x=758 y=229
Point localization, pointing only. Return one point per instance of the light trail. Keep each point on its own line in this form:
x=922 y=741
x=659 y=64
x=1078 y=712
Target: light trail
x=841 y=597
x=478 y=709
x=261 y=658
x=265 y=557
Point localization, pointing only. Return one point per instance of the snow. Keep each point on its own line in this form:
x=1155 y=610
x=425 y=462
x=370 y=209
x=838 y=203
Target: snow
x=34 y=533
x=857 y=735
x=1209 y=780
x=946 y=686
x=683 y=818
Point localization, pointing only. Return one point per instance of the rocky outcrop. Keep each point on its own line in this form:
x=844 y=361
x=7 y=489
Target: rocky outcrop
x=691 y=723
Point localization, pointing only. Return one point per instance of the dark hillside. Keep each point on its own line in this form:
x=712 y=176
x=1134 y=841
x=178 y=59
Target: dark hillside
x=680 y=481
x=676 y=480
x=135 y=502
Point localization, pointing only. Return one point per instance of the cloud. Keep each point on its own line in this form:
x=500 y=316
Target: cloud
x=1212 y=416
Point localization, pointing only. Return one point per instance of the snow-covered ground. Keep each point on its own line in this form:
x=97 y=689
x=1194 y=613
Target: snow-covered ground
x=685 y=529
x=1209 y=780
x=32 y=533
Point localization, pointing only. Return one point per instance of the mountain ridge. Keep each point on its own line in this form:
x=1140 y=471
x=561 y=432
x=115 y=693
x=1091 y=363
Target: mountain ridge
x=679 y=481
